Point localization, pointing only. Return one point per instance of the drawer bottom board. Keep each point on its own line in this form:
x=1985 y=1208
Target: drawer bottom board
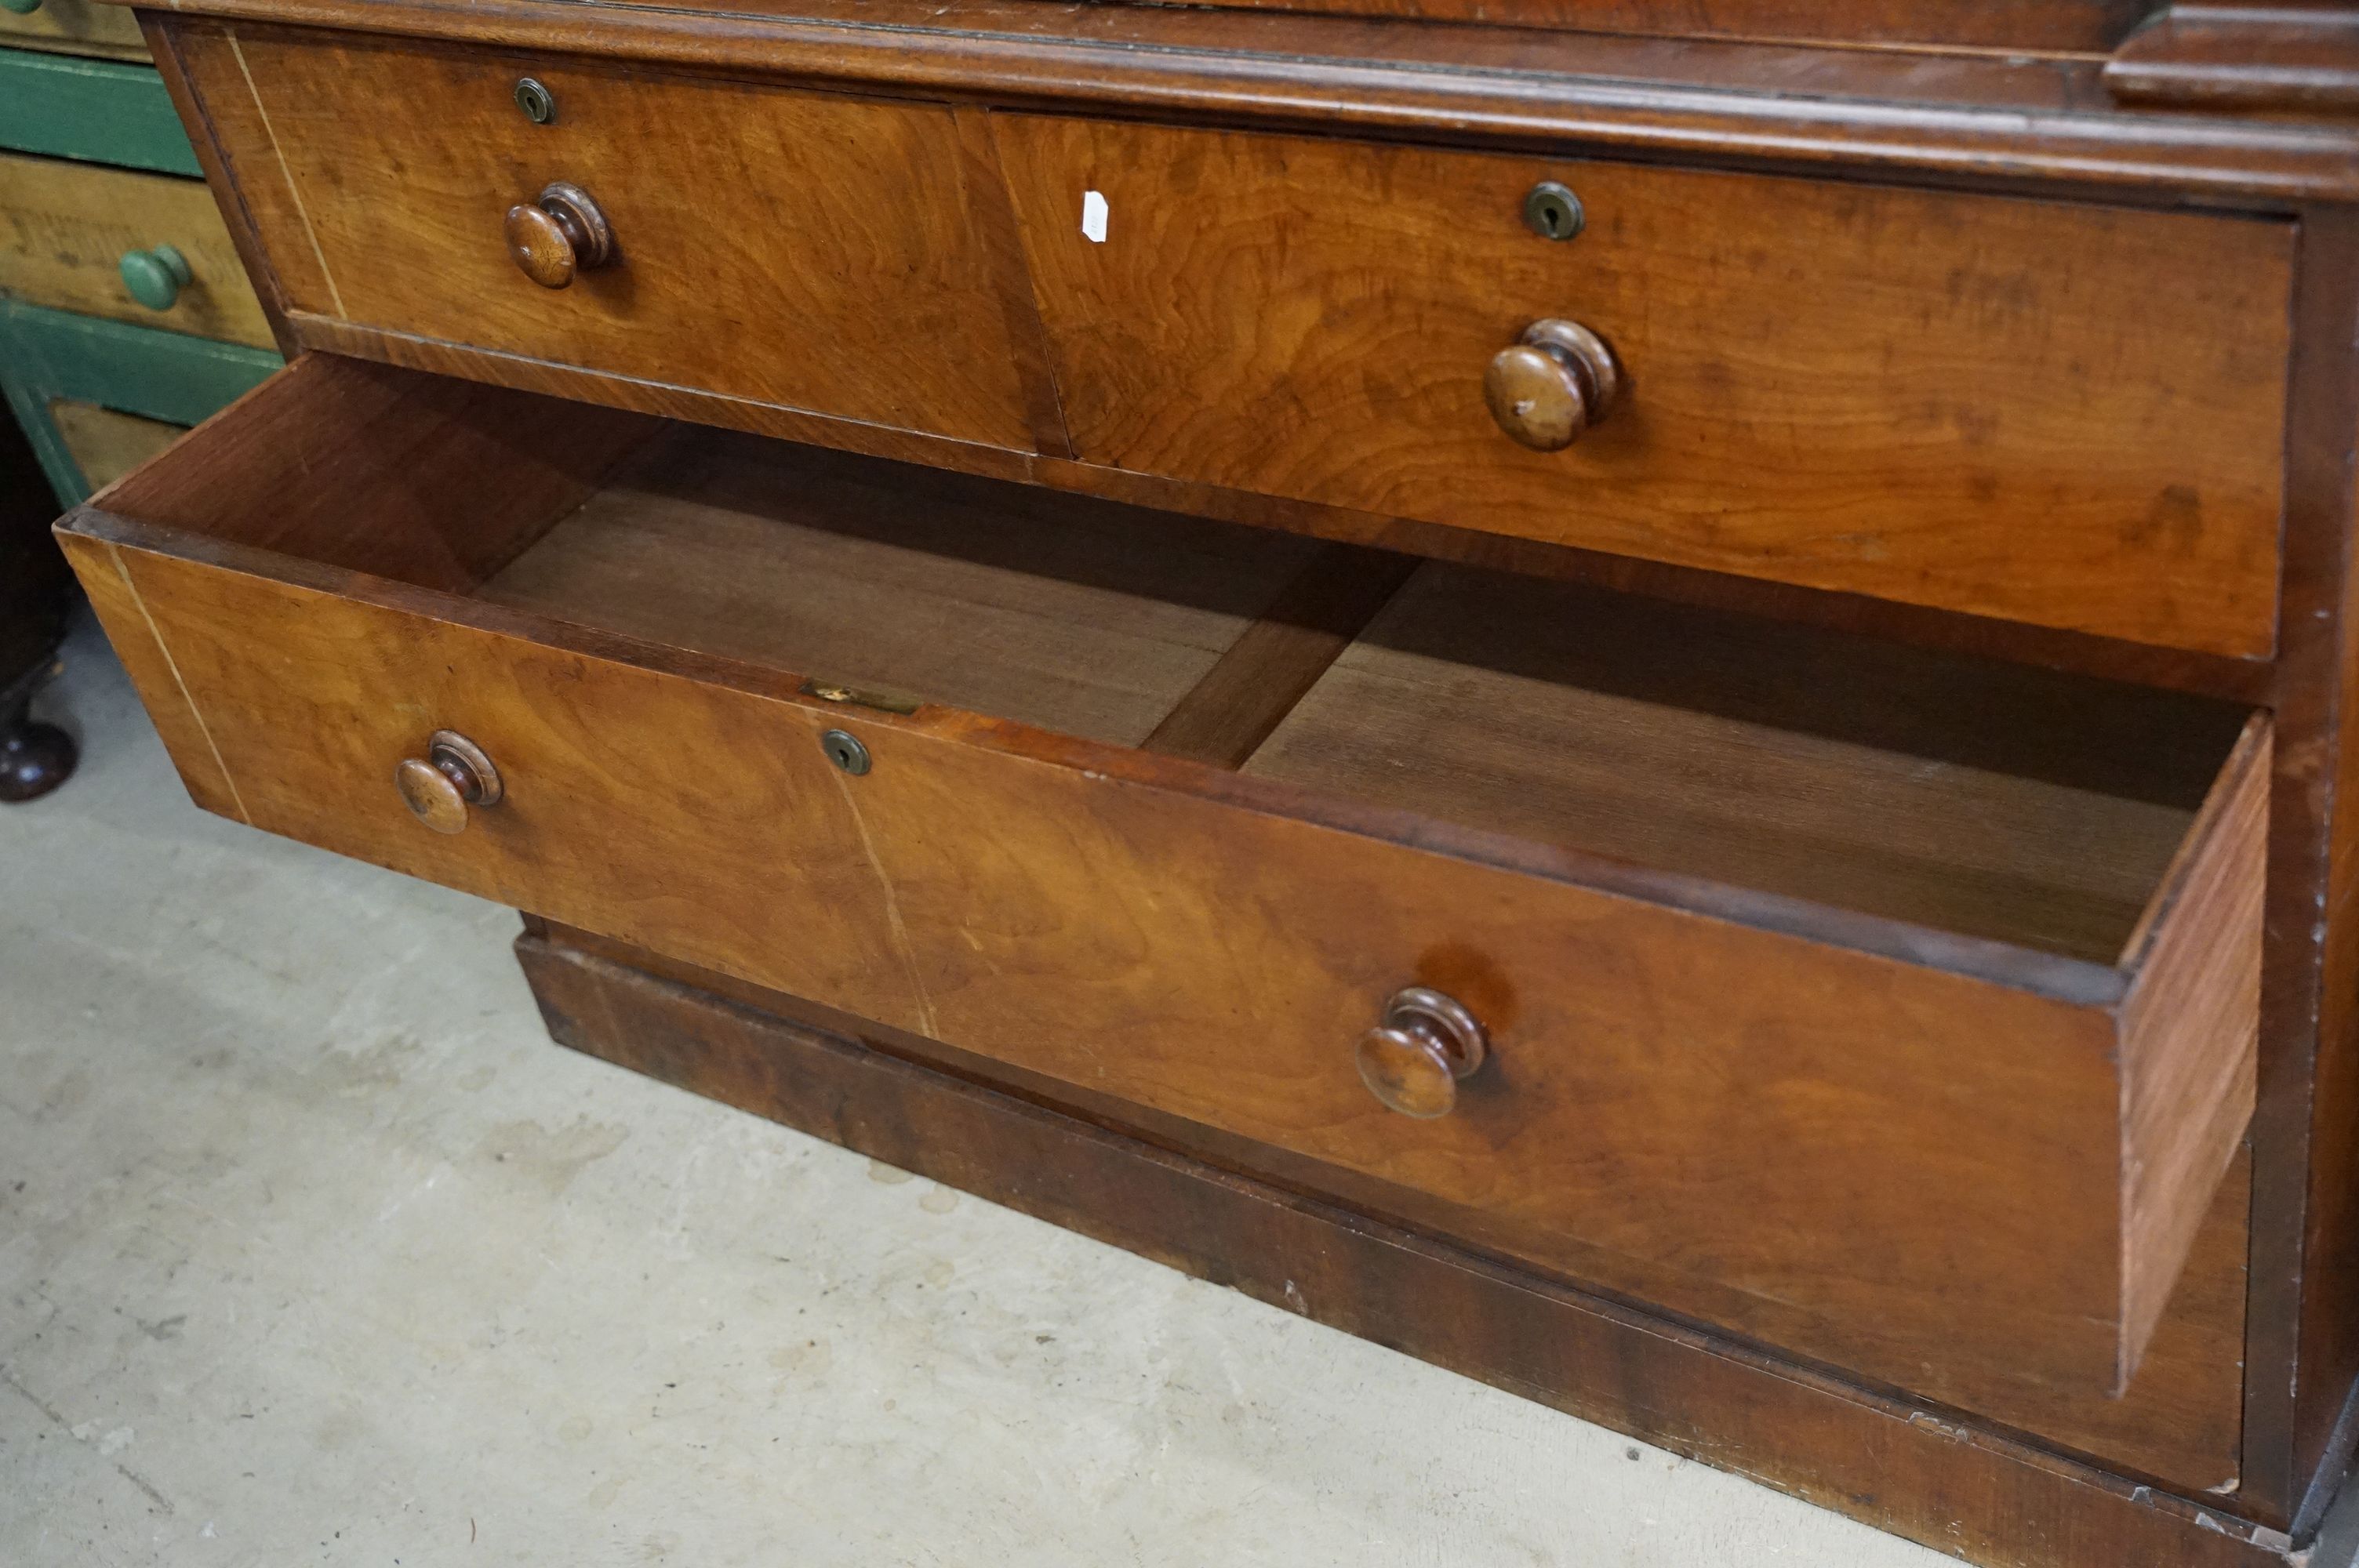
x=1919 y=1472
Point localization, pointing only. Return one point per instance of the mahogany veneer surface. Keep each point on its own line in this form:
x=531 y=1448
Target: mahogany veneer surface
x=1947 y=1135
x=2021 y=350
x=1084 y=619
x=809 y=250
x=1935 y=397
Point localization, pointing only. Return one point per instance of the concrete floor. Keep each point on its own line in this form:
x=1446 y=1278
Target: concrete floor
x=313 y=1248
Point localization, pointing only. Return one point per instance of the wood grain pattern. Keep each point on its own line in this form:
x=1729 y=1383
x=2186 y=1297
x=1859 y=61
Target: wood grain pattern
x=123 y=612
x=2300 y=1347
x=653 y=795
x=1231 y=710
x=1089 y=620
x=1960 y=117
x=2241 y=57
x=75 y=27
x=793 y=248
x=2015 y=26
x=2179 y=1013
x=1901 y=1467
x=374 y=470
x=1933 y=398
x=2306 y=1202
x=2238 y=680
x=209 y=91
x=1983 y=121
x=105 y=444
x=64 y=228
x=1818 y=767
x=2176 y=1425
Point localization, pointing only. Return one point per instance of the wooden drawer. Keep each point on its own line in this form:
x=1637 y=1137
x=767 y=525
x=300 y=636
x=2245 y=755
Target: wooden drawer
x=65 y=229
x=96 y=110
x=106 y=443
x=74 y=26
x=1892 y=1007
x=799 y=249
x=2068 y=416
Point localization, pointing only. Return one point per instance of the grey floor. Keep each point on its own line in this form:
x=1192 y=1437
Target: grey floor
x=313 y=1249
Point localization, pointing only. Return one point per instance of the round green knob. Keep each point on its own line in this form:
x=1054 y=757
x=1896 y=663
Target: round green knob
x=22 y=7
x=155 y=276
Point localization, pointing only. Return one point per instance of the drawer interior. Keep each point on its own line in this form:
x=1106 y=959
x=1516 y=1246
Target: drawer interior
x=2026 y=806
x=1949 y=969
x=905 y=585
x=1990 y=800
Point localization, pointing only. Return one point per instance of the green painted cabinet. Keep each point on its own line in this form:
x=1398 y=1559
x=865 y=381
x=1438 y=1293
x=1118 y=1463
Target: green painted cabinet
x=99 y=111
x=89 y=397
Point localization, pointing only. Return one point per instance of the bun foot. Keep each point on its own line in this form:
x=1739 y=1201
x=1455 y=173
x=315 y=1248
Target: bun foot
x=34 y=758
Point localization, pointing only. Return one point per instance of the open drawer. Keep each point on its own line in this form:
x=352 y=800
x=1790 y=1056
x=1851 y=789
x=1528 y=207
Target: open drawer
x=1892 y=1007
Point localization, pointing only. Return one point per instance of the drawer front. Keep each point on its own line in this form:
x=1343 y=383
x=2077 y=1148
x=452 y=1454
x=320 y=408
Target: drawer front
x=52 y=363
x=106 y=444
x=66 y=229
x=96 y=111
x=1874 y=1145
x=1857 y=1157
x=1962 y=401
x=799 y=249
x=75 y=27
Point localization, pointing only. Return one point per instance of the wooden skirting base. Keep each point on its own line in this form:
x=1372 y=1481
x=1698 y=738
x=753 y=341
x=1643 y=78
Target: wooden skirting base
x=1959 y=1490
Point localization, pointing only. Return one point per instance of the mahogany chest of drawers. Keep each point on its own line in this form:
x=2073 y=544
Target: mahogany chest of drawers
x=1654 y=709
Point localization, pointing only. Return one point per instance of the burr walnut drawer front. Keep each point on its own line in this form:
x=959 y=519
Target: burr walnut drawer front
x=2070 y=416
x=1892 y=1007
x=803 y=250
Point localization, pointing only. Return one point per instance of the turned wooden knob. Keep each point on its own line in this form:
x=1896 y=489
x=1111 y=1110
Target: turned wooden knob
x=440 y=786
x=1557 y=381
x=559 y=233
x=1413 y=1060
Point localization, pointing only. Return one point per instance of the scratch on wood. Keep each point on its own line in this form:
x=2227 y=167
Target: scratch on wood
x=892 y=908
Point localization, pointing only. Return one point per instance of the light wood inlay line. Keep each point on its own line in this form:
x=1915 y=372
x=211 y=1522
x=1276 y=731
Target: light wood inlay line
x=294 y=191
x=220 y=763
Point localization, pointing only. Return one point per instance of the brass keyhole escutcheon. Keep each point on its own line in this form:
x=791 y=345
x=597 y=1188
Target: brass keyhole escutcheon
x=539 y=103
x=1552 y=212
x=452 y=777
x=845 y=751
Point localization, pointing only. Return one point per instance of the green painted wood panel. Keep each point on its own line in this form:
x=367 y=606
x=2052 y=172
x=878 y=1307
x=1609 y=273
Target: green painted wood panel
x=96 y=110
x=46 y=354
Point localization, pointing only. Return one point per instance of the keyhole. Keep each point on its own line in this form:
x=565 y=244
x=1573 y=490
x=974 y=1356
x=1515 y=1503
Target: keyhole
x=1552 y=212
x=845 y=751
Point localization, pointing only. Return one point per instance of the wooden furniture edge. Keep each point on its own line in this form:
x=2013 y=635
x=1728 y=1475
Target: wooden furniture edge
x=2279 y=1458
x=91 y=111
x=1472 y=85
x=242 y=232
x=2242 y=59
x=2199 y=979
x=2066 y=29
x=155 y=374
x=1908 y=1471
x=2069 y=981
x=2208 y=675
x=2299 y=1364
